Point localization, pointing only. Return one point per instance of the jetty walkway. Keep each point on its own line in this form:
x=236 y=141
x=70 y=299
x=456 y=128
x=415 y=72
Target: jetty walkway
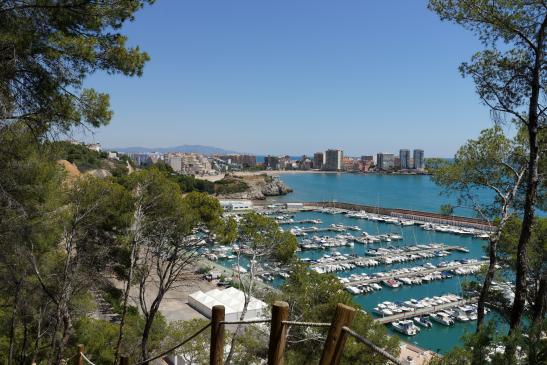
x=412 y=274
x=428 y=310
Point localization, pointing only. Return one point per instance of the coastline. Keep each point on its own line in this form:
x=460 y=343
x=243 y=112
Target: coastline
x=218 y=177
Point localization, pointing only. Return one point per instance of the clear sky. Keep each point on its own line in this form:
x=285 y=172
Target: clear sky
x=294 y=77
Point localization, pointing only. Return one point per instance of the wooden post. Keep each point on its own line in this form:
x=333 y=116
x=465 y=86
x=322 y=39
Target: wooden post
x=124 y=360
x=336 y=339
x=217 y=336
x=79 y=359
x=278 y=333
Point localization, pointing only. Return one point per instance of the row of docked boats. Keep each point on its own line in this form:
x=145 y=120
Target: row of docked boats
x=388 y=308
x=341 y=262
x=323 y=242
x=446 y=317
x=447 y=228
x=404 y=274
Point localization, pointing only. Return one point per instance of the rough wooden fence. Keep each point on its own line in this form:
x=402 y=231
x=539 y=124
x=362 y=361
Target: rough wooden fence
x=339 y=330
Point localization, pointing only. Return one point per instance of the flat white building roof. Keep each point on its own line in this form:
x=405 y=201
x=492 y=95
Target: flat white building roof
x=233 y=301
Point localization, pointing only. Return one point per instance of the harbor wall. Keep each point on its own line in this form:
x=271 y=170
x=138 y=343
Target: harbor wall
x=409 y=214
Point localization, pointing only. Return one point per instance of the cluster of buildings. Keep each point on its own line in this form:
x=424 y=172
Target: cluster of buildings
x=184 y=163
x=406 y=161
x=334 y=160
x=330 y=160
x=235 y=162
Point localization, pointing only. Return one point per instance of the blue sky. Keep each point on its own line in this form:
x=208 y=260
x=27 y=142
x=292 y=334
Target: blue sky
x=287 y=76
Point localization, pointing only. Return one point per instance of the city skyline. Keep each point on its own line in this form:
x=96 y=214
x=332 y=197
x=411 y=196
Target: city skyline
x=226 y=73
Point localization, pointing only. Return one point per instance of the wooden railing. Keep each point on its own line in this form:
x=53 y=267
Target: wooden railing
x=339 y=330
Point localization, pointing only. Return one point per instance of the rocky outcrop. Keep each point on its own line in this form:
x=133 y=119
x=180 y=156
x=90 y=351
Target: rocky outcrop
x=259 y=187
x=100 y=173
x=275 y=187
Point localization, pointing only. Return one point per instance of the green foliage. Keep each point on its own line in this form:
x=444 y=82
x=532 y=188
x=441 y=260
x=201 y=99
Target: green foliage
x=187 y=183
x=206 y=208
x=434 y=163
x=99 y=337
x=44 y=88
x=230 y=185
x=313 y=297
x=490 y=162
x=263 y=236
x=537 y=255
x=250 y=345
x=480 y=348
x=195 y=351
x=447 y=209
x=79 y=155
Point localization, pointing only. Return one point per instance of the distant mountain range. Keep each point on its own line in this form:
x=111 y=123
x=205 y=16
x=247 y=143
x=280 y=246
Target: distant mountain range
x=187 y=148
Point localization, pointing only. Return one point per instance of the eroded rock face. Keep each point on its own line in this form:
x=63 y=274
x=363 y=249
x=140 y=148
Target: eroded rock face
x=260 y=187
x=100 y=173
x=275 y=187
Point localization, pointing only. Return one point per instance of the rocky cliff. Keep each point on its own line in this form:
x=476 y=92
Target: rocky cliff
x=258 y=187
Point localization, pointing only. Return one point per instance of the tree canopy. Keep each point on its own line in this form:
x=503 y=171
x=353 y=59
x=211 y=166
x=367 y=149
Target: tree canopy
x=48 y=49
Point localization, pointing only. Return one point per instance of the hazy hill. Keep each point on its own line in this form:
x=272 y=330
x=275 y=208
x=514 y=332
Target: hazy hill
x=206 y=150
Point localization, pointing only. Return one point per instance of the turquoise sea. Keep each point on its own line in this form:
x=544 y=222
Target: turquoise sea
x=416 y=192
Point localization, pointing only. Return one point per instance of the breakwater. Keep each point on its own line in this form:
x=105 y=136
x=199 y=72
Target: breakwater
x=426 y=217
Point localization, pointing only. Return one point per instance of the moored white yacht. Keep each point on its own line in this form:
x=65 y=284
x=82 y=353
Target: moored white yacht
x=406 y=327
x=442 y=318
x=424 y=322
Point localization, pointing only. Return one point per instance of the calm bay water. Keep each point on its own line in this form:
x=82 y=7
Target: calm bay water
x=416 y=192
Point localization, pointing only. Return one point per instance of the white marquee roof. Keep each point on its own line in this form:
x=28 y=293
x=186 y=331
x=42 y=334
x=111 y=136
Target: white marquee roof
x=231 y=298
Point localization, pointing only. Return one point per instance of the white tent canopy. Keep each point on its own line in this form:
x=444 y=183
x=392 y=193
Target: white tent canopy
x=232 y=299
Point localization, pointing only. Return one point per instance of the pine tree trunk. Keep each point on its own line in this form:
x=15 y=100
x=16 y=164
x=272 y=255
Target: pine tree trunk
x=529 y=204
x=125 y=300
x=148 y=325
x=12 y=325
x=521 y=286
x=145 y=335
x=492 y=249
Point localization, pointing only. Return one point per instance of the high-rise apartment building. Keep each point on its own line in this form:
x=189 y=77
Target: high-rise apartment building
x=419 y=161
x=404 y=156
x=271 y=162
x=333 y=160
x=318 y=160
x=385 y=161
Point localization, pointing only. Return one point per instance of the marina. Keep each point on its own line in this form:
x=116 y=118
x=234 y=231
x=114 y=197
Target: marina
x=448 y=258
